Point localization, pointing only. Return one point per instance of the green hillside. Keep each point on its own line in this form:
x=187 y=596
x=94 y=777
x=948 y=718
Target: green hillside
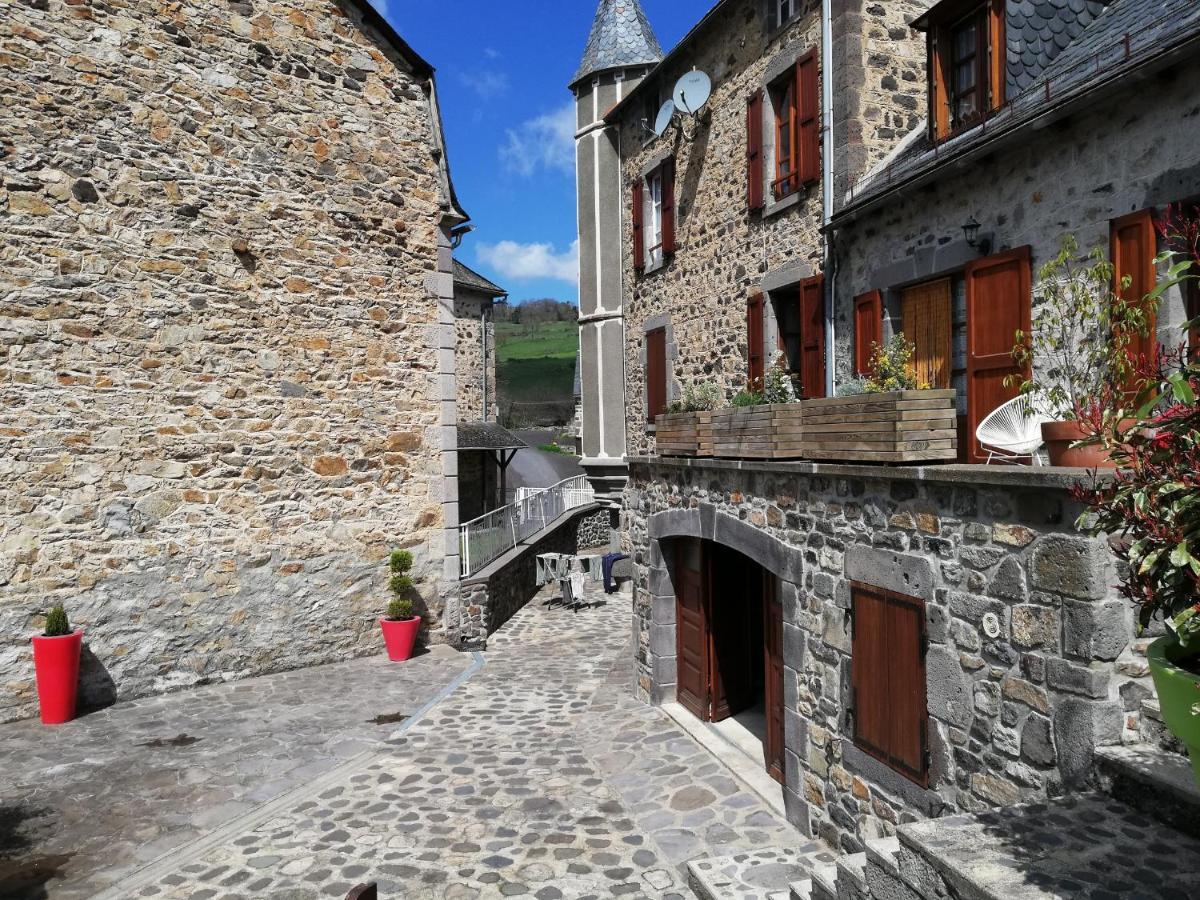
x=535 y=365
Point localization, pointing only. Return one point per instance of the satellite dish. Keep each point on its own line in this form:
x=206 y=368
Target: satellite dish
x=665 y=114
x=692 y=92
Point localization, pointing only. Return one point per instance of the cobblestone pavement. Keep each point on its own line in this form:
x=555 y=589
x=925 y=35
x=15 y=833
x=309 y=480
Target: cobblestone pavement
x=539 y=777
x=82 y=804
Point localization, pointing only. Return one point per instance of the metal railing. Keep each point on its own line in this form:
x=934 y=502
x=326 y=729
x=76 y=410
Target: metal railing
x=489 y=537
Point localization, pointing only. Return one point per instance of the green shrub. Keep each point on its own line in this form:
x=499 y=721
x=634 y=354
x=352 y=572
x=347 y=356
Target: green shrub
x=853 y=388
x=56 y=622
x=400 y=609
x=747 y=398
x=890 y=368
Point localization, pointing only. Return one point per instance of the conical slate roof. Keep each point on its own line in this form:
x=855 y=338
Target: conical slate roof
x=621 y=36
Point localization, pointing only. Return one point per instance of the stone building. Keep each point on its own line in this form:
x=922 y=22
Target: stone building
x=993 y=656
x=227 y=336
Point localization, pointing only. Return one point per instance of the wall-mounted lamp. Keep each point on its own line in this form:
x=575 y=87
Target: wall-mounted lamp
x=971 y=233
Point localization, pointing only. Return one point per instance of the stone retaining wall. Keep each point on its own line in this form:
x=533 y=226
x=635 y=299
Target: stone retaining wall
x=492 y=597
x=219 y=336
x=1015 y=715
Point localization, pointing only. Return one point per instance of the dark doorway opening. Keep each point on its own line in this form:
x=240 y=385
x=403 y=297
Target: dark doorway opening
x=730 y=644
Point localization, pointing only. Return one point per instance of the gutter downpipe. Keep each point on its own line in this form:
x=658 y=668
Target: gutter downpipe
x=827 y=192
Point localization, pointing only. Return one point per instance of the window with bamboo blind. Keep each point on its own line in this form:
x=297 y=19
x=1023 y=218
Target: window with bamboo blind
x=889 y=699
x=927 y=320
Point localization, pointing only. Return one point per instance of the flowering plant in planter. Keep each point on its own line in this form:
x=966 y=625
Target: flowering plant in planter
x=777 y=386
x=1151 y=511
x=697 y=397
x=891 y=368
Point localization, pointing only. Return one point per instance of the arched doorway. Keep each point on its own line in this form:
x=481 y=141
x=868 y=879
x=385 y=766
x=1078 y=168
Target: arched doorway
x=729 y=643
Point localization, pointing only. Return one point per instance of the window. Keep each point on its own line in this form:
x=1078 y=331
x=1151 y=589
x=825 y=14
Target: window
x=656 y=373
x=888 y=701
x=780 y=12
x=796 y=107
x=654 y=217
x=927 y=321
x=868 y=329
x=967 y=62
x=757 y=364
x=800 y=313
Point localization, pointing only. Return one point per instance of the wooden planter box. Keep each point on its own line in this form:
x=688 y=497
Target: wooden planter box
x=759 y=432
x=900 y=427
x=684 y=434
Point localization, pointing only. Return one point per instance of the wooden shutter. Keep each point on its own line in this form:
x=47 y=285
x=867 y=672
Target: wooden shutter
x=868 y=328
x=755 y=339
x=639 y=243
x=668 y=207
x=754 y=150
x=812 y=337
x=773 y=677
x=692 y=638
x=997 y=54
x=1193 y=313
x=927 y=315
x=891 y=716
x=656 y=373
x=808 y=118
x=998 y=304
x=939 y=96
x=1133 y=250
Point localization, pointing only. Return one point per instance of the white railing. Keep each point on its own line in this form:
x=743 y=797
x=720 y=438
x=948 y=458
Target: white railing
x=492 y=535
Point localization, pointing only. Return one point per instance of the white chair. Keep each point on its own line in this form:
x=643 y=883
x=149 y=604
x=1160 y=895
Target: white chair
x=1013 y=432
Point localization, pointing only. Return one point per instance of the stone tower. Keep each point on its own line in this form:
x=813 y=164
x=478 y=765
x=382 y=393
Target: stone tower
x=622 y=48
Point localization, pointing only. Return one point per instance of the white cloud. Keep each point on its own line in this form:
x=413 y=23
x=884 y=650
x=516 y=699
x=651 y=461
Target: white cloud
x=487 y=83
x=547 y=141
x=529 y=261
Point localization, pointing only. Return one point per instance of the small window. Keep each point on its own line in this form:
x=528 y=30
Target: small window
x=780 y=12
x=786 y=173
x=653 y=219
x=653 y=205
x=795 y=106
x=889 y=703
x=656 y=373
x=967 y=62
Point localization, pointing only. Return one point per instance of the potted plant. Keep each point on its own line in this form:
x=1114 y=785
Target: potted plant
x=1077 y=357
x=1150 y=508
x=764 y=421
x=400 y=626
x=56 y=663
x=686 y=429
x=888 y=416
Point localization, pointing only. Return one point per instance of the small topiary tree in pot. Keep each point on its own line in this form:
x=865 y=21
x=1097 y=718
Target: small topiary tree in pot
x=400 y=626
x=56 y=663
x=1150 y=509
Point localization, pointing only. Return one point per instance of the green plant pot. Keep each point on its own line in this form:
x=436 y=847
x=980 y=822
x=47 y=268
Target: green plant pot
x=1178 y=695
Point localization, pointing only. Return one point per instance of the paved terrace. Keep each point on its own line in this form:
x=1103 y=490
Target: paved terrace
x=534 y=775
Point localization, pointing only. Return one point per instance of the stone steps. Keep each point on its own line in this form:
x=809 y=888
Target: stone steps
x=755 y=874
x=1158 y=783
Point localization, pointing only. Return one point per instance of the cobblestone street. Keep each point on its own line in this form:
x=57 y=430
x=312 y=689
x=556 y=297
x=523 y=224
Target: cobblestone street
x=539 y=776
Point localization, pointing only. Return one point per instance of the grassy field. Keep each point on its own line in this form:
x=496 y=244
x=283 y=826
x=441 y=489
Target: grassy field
x=535 y=365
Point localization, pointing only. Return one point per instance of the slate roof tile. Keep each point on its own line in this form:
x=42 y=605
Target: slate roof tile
x=621 y=36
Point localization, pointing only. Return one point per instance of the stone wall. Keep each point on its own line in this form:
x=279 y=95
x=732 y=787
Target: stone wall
x=469 y=332
x=494 y=595
x=1025 y=629
x=218 y=336
x=1072 y=177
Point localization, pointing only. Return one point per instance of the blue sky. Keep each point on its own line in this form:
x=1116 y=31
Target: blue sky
x=502 y=70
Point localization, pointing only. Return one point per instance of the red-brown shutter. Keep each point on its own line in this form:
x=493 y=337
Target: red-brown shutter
x=639 y=244
x=808 y=126
x=812 y=337
x=754 y=150
x=754 y=341
x=888 y=677
x=1133 y=250
x=668 y=207
x=999 y=302
x=1193 y=313
x=656 y=373
x=868 y=328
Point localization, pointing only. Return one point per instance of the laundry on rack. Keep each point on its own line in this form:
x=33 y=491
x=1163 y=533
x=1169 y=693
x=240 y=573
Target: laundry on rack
x=611 y=559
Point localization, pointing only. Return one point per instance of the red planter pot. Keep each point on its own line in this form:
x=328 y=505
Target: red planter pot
x=56 y=661
x=1059 y=436
x=400 y=635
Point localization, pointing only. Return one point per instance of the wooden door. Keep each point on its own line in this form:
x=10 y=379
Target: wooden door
x=812 y=337
x=998 y=305
x=927 y=312
x=691 y=631
x=1134 y=246
x=735 y=623
x=773 y=680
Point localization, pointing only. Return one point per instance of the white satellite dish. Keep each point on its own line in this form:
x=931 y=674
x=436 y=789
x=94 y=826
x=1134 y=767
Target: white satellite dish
x=663 y=121
x=692 y=92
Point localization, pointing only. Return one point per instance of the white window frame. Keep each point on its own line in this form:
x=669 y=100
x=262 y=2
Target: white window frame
x=781 y=12
x=653 y=219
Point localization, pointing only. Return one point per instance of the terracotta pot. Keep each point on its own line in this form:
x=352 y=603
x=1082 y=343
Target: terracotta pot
x=400 y=635
x=1178 y=696
x=1059 y=438
x=56 y=662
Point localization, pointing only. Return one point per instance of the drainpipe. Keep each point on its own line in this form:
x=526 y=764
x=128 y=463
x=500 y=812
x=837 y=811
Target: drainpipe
x=827 y=191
